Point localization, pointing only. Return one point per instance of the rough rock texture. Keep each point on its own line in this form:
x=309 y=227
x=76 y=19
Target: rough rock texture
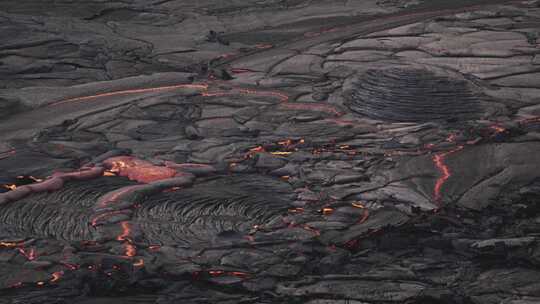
x=315 y=152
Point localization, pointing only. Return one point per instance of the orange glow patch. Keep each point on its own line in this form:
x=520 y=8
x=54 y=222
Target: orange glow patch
x=8 y=244
x=280 y=153
x=10 y=187
x=139 y=263
x=56 y=276
x=130 y=250
x=296 y=210
x=358 y=205
x=327 y=211
x=497 y=129
x=126 y=231
x=138 y=170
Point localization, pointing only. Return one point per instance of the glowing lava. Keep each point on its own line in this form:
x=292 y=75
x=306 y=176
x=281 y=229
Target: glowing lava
x=133 y=91
x=130 y=249
x=10 y=187
x=137 y=169
x=439 y=161
x=56 y=276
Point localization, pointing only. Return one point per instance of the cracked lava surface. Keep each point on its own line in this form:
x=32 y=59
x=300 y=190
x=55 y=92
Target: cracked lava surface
x=280 y=152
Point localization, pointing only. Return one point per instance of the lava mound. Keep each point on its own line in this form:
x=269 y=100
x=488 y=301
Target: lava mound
x=231 y=204
x=407 y=94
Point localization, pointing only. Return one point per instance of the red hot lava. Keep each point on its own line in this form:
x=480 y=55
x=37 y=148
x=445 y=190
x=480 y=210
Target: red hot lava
x=137 y=170
x=439 y=161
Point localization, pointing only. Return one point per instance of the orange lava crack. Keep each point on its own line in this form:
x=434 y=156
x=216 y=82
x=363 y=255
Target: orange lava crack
x=439 y=161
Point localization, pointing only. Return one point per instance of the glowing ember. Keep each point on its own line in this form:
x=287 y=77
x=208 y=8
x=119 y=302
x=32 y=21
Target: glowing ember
x=358 y=205
x=219 y=273
x=56 y=276
x=497 y=129
x=280 y=153
x=296 y=210
x=8 y=244
x=139 y=263
x=327 y=211
x=10 y=187
x=126 y=231
x=137 y=169
x=130 y=250
x=438 y=160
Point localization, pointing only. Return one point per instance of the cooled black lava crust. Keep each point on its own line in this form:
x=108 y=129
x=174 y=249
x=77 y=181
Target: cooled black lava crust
x=412 y=95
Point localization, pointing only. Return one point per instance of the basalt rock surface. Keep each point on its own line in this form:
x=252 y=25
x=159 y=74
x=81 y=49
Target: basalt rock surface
x=314 y=152
x=413 y=95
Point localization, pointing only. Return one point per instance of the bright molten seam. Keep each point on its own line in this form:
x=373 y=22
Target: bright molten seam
x=134 y=91
x=439 y=161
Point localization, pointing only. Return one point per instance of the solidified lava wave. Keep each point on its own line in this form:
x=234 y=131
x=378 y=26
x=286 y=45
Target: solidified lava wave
x=189 y=215
x=412 y=94
x=64 y=214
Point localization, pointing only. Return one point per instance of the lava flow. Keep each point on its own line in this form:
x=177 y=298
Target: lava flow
x=133 y=91
x=130 y=249
x=439 y=161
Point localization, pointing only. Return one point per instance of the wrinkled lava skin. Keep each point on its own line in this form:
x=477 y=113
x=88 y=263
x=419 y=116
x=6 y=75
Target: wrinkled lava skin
x=373 y=152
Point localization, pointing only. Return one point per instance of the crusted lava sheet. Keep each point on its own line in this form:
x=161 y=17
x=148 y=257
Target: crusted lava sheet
x=320 y=152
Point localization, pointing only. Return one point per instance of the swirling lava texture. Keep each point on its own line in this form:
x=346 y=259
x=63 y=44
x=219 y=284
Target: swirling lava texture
x=64 y=214
x=185 y=216
x=412 y=95
x=213 y=208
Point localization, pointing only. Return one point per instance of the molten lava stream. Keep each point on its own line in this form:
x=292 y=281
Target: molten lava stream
x=439 y=161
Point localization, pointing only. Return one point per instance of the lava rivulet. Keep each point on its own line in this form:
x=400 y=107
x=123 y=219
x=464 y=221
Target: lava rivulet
x=444 y=169
x=132 y=91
